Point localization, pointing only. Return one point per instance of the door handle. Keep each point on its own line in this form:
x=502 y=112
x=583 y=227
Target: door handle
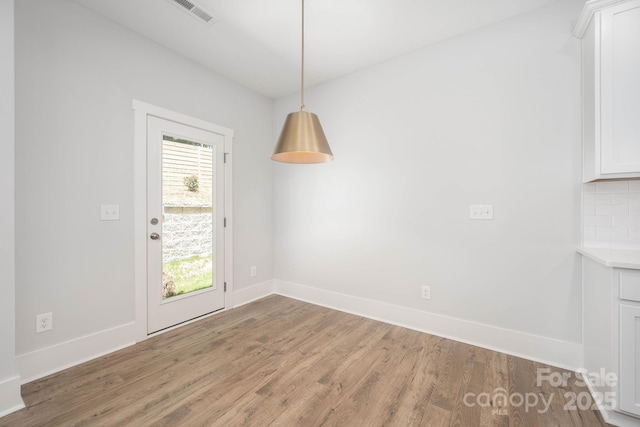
x=154 y=236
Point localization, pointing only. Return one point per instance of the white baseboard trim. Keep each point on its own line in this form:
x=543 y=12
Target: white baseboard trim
x=599 y=402
x=621 y=420
x=251 y=293
x=48 y=360
x=10 y=398
x=550 y=351
x=610 y=416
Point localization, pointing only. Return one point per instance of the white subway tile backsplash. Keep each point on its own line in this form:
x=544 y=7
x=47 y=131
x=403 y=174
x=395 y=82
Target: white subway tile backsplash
x=612 y=187
x=589 y=187
x=597 y=221
x=625 y=199
x=626 y=221
x=631 y=245
x=611 y=214
x=589 y=232
x=613 y=232
x=597 y=199
x=598 y=242
x=612 y=210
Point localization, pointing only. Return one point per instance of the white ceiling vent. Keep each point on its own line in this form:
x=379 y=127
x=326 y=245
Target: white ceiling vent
x=194 y=10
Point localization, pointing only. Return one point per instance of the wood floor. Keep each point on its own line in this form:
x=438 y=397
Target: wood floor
x=282 y=362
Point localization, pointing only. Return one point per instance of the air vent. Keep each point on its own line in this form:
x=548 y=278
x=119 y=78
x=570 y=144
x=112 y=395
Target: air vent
x=202 y=14
x=194 y=10
x=184 y=3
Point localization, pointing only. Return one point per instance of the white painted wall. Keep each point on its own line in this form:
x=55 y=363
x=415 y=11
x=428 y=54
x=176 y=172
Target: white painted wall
x=76 y=76
x=490 y=117
x=9 y=381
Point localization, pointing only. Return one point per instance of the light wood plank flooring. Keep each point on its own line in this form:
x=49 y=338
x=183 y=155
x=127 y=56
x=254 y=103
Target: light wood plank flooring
x=283 y=362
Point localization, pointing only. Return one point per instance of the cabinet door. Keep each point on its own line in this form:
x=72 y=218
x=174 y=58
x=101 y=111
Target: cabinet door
x=620 y=88
x=629 y=359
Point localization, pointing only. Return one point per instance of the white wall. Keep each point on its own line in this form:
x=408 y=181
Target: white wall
x=77 y=74
x=490 y=117
x=9 y=381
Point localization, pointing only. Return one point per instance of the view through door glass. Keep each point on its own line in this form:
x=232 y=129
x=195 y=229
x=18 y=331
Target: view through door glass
x=187 y=221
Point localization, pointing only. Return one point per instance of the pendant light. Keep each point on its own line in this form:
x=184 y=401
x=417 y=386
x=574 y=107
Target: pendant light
x=302 y=139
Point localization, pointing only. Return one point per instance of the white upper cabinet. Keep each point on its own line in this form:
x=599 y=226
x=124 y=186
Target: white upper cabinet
x=610 y=33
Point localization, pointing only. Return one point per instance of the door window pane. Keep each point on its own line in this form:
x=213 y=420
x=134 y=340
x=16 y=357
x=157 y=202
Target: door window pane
x=188 y=216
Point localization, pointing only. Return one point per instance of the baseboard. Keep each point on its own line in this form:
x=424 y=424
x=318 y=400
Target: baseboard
x=10 y=399
x=598 y=401
x=621 y=420
x=48 y=360
x=251 y=293
x=533 y=347
x=42 y=362
x=610 y=416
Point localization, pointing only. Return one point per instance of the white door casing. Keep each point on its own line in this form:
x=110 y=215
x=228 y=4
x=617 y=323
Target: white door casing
x=150 y=123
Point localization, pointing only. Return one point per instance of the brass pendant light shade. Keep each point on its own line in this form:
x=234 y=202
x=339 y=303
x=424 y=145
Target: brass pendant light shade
x=302 y=139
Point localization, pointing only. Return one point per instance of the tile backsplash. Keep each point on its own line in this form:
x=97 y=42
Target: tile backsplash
x=611 y=214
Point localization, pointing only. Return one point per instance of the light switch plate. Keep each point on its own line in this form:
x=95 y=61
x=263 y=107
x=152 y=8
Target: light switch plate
x=481 y=212
x=109 y=212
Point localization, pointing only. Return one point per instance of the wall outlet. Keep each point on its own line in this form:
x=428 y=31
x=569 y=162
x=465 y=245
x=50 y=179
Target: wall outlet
x=426 y=292
x=44 y=322
x=109 y=212
x=254 y=271
x=481 y=212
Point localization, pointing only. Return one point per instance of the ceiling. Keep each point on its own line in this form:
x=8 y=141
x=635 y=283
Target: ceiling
x=257 y=42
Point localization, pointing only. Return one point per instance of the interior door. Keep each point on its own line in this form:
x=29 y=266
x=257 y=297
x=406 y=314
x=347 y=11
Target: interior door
x=185 y=223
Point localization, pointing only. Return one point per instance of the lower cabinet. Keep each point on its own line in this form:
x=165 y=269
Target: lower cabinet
x=611 y=339
x=629 y=379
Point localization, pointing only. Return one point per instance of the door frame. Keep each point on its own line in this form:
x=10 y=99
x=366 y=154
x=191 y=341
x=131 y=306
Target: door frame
x=141 y=111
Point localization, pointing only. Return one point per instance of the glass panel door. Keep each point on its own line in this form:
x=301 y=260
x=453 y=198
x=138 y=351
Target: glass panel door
x=185 y=208
x=188 y=216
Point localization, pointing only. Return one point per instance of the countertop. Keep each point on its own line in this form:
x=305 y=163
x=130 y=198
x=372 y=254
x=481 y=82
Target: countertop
x=613 y=257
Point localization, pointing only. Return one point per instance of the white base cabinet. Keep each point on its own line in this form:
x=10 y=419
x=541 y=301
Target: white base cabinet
x=611 y=339
x=630 y=359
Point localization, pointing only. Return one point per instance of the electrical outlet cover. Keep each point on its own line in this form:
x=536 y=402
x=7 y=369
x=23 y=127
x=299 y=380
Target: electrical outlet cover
x=44 y=322
x=481 y=212
x=109 y=212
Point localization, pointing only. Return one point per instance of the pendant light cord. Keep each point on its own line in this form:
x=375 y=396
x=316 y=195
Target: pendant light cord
x=302 y=68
